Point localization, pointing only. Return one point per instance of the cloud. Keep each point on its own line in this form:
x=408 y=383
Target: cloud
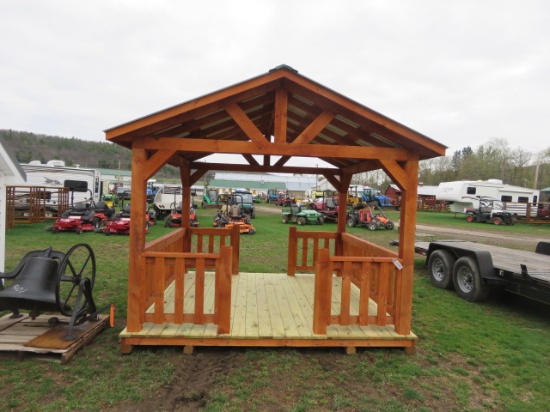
x=459 y=72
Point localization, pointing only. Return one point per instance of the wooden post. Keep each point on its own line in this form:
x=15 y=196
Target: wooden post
x=323 y=293
x=222 y=302
x=185 y=175
x=292 y=251
x=236 y=245
x=407 y=231
x=136 y=271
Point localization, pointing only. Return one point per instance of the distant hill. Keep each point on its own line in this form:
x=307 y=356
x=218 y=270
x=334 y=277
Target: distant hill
x=104 y=155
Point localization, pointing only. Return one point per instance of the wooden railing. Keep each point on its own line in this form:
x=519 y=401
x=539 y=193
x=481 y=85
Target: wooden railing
x=360 y=264
x=168 y=259
x=303 y=247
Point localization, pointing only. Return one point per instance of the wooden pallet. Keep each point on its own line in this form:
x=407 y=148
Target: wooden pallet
x=25 y=336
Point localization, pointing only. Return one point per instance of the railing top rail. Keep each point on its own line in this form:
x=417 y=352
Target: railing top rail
x=373 y=259
x=182 y=255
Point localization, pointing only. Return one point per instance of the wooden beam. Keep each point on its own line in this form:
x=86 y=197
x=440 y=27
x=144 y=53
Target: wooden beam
x=267 y=160
x=276 y=149
x=314 y=128
x=196 y=175
x=282 y=161
x=281 y=115
x=246 y=125
x=250 y=159
x=157 y=161
x=262 y=168
x=334 y=181
x=362 y=167
x=396 y=172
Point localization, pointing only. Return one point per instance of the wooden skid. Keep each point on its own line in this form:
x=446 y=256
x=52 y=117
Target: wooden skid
x=268 y=309
x=25 y=336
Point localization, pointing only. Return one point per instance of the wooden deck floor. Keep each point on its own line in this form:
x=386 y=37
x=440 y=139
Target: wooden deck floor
x=268 y=309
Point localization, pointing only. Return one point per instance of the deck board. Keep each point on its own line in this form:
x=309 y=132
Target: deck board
x=268 y=309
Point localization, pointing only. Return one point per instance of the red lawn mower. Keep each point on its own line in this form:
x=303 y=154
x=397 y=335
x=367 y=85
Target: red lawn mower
x=174 y=219
x=120 y=223
x=82 y=216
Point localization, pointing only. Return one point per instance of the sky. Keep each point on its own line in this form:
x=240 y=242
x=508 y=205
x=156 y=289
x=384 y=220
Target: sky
x=460 y=72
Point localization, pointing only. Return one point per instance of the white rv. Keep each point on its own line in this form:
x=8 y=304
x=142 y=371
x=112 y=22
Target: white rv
x=462 y=194
x=85 y=182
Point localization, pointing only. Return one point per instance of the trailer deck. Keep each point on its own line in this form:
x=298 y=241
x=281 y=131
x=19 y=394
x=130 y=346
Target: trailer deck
x=513 y=267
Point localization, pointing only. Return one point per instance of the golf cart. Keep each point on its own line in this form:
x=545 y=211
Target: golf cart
x=302 y=216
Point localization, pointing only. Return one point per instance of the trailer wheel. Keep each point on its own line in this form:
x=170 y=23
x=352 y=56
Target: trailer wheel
x=440 y=267
x=467 y=281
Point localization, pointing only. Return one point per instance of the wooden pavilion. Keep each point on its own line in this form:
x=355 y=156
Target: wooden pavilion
x=186 y=289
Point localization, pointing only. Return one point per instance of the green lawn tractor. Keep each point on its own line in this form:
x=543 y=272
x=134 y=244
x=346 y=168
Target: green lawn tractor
x=302 y=216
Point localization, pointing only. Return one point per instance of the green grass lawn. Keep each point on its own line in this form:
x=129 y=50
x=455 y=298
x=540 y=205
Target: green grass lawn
x=474 y=357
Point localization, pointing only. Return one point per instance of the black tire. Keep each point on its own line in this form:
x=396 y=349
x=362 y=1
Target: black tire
x=467 y=280
x=320 y=220
x=351 y=221
x=253 y=214
x=440 y=268
x=470 y=217
x=389 y=225
x=497 y=220
x=96 y=223
x=372 y=225
x=301 y=221
x=286 y=219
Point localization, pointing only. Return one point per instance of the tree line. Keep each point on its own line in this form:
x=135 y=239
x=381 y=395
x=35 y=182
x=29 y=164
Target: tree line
x=88 y=154
x=493 y=160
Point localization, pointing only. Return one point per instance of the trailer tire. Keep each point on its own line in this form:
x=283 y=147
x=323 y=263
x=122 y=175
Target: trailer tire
x=467 y=280
x=440 y=268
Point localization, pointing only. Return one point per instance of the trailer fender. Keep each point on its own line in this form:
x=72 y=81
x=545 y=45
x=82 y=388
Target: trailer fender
x=483 y=259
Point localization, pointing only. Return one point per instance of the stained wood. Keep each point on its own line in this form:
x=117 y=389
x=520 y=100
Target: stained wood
x=269 y=309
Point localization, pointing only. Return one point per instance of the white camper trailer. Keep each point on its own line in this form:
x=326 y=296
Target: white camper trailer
x=462 y=195
x=86 y=182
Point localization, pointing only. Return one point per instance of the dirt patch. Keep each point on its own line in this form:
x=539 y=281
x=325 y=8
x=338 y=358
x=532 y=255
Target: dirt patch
x=193 y=379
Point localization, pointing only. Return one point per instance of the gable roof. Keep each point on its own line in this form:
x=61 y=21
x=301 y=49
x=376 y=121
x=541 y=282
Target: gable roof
x=282 y=114
x=10 y=168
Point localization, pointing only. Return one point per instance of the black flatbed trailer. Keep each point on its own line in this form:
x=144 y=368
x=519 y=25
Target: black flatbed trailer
x=473 y=269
